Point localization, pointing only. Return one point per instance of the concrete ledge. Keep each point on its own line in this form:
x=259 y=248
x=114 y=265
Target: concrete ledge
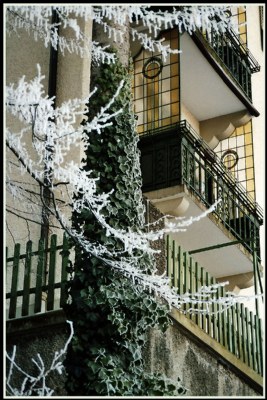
x=216 y=349
x=34 y=324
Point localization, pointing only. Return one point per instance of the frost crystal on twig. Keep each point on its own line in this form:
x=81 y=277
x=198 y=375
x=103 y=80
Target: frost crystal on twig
x=37 y=19
x=36 y=385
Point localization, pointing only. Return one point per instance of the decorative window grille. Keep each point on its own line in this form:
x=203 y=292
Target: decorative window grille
x=242 y=19
x=237 y=154
x=156 y=87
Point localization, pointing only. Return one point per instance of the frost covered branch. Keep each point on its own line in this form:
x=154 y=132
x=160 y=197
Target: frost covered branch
x=55 y=128
x=36 y=385
x=51 y=128
x=38 y=20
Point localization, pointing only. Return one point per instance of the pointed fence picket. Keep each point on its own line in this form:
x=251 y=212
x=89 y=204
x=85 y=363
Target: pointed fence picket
x=31 y=284
x=236 y=328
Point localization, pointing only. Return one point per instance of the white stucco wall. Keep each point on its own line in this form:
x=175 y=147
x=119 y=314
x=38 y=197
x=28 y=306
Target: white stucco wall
x=22 y=53
x=190 y=118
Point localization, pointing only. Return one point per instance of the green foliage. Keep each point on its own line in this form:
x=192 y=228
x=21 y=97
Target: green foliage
x=111 y=314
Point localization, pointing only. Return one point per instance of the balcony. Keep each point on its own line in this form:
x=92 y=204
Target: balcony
x=177 y=157
x=233 y=55
x=209 y=91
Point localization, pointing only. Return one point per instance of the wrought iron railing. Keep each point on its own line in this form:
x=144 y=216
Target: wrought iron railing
x=177 y=156
x=242 y=48
x=235 y=56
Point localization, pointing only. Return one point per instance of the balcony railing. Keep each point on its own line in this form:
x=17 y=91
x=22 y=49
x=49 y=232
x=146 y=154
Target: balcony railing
x=235 y=56
x=179 y=156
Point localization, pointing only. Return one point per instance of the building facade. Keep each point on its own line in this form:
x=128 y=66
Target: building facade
x=200 y=119
x=198 y=140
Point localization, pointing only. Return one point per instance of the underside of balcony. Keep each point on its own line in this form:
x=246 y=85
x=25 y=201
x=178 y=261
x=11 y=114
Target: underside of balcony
x=210 y=242
x=216 y=99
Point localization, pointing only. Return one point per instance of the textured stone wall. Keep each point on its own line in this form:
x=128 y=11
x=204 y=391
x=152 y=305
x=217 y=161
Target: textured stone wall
x=176 y=354
x=43 y=334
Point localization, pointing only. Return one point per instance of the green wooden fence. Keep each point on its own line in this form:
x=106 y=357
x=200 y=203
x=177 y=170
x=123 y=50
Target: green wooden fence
x=236 y=328
x=32 y=275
